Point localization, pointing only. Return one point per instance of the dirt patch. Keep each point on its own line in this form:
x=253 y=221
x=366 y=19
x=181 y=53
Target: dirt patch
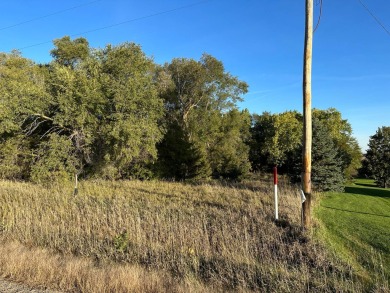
x=10 y=287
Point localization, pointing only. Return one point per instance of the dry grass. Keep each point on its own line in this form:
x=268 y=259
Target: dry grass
x=133 y=236
x=42 y=269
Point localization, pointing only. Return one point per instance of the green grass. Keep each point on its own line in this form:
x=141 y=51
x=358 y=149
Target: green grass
x=356 y=225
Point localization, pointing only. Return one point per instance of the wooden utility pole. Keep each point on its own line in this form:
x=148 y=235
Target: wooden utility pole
x=307 y=120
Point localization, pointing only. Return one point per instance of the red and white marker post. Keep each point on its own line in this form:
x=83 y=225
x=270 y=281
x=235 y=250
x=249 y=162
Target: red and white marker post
x=276 y=192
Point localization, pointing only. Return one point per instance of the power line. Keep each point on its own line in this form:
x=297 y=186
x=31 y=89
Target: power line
x=123 y=22
x=48 y=15
x=374 y=17
x=319 y=17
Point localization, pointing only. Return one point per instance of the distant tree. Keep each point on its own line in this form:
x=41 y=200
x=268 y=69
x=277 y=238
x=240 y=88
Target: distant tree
x=364 y=171
x=274 y=138
x=200 y=98
x=229 y=151
x=378 y=156
x=347 y=146
x=95 y=112
x=277 y=140
x=70 y=52
x=327 y=173
x=178 y=157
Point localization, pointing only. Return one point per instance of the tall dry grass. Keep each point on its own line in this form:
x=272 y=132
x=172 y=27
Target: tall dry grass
x=165 y=236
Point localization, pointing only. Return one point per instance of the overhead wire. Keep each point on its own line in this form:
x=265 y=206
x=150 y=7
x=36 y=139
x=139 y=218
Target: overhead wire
x=48 y=15
x=319 y=17
x=374 y=17
x=123 y=22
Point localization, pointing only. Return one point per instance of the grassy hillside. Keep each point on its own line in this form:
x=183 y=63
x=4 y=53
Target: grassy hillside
x=162 y=237
x=356 y=224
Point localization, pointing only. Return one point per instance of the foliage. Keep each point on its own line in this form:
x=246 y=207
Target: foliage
x=22 y=85
x=277 y=140
x=99 y=107
x=69 y=52
x=119 y=115
x=54 y=160
x=327 y=172
x=15 y=158
x=229 y=151
x=347 y=146
x=364 y=171
x=200 y=101
x=378 y=156
x=275 y=136
x=178 y=157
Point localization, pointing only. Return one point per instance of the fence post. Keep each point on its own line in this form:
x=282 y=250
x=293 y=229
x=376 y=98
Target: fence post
x=276 y=192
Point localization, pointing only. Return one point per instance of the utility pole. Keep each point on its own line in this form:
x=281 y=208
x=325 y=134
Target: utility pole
x=307 y=119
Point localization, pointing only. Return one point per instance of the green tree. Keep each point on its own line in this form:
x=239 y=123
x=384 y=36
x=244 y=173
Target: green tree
x=100 y=110
x=178 y=157
x=70 y=52
x=340 y=130
x=274 y=138
x=15 y=158
x=23 y=93
x=54 y=160
x=130 y=122
x=378 y=156
x=198 y=97
x=229 y=149
x=327 y=173
x=262 y=128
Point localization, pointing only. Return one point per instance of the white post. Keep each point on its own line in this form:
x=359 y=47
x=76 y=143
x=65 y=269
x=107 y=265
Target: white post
x=76 y=190
x=276 y=192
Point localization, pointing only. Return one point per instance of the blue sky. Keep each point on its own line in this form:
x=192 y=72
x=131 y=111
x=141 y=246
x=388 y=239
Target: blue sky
x=260 y=41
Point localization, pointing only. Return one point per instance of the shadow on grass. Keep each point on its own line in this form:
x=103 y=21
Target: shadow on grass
x=368 y=191
x=367 y=184
x=355 y=212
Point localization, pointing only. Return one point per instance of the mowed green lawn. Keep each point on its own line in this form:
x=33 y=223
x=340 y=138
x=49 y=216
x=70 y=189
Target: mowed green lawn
x=356 y=225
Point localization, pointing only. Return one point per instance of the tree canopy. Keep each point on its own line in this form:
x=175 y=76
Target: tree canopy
x=277 y=140
x=100 y=117
x=114 y=113
x=200 y=104
x=378 y=156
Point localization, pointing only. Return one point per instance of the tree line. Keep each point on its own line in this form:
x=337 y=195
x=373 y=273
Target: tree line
x=114 y=113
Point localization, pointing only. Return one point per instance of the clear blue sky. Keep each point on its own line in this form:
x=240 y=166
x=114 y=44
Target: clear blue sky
x=260 y=41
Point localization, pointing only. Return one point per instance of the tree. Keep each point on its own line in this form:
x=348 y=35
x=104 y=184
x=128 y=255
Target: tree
x=200 y=98
x=23 y=93
x=90 y=112
x=327 y=173
x=274 y=138
x=277 y=139
x=129 y=121
x=340 y=130
x=229 y=151
x=178 y=157
x=15 y=158
x=378 y=156
x=69 y=52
